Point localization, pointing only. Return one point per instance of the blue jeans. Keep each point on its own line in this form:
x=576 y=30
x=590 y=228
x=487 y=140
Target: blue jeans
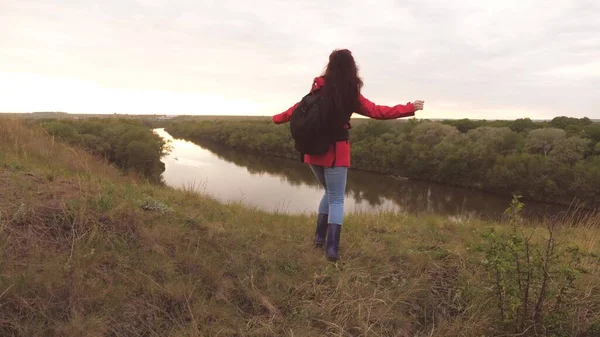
x=334 y=182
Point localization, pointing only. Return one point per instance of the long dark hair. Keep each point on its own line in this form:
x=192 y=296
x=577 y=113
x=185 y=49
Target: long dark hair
x=342 y=86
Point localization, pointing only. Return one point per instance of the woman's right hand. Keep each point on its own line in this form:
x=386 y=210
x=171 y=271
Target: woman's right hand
x=418 y=105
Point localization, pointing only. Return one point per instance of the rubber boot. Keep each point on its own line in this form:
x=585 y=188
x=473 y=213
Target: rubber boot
x=333 y=242
x=321 y=231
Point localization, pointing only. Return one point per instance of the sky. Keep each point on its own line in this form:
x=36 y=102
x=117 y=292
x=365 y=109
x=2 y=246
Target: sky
x=493 y=59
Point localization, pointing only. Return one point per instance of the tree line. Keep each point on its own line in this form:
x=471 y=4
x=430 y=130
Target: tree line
x=127 y=143
x=555 y=161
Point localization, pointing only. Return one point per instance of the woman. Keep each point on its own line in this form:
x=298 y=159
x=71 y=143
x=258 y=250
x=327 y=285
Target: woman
x=340 y=87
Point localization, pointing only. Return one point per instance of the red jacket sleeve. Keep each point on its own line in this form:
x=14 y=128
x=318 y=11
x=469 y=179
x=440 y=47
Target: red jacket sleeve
x=375 y=111
x=285 y=116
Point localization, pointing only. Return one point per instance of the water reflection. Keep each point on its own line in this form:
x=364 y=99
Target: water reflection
x=287 y=185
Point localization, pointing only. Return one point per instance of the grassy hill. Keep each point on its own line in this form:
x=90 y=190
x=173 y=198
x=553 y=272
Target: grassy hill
x=88 y=251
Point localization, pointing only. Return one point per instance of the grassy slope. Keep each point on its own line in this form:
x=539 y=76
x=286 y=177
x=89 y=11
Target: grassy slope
x=87 y=252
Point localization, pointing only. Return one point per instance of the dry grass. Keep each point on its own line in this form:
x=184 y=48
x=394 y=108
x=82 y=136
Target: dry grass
x=87 y=252
x=24 y=147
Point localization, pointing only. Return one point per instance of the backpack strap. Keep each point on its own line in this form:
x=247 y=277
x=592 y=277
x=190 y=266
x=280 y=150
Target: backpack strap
x=344 y=136
x=334 y=153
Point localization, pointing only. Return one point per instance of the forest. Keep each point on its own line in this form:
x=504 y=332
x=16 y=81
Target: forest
x=556 y=161
x=128 y=144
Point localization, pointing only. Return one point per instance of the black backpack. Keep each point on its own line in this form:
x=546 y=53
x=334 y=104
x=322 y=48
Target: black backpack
x=311 y=127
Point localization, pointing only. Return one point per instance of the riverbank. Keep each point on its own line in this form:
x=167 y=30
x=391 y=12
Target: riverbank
x=485 y=158
x=86 y=251
x=292 y=188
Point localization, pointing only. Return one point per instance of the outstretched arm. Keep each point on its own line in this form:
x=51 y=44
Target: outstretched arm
x=372 y=110
x=285 y=116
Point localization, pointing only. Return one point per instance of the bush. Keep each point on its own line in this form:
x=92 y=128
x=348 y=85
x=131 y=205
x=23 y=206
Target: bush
x=532 y=279
x=129 y=144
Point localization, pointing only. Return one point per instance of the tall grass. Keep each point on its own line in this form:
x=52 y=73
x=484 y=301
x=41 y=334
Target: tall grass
x=89 y=252
x=33 y=146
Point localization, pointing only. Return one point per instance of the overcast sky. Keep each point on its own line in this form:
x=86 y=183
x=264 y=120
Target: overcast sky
x=476 y=59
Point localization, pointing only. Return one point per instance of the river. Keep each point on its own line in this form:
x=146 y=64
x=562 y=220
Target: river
x=287 y=186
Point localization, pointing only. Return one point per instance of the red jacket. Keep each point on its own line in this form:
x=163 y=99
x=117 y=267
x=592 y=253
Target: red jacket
x=342 y=151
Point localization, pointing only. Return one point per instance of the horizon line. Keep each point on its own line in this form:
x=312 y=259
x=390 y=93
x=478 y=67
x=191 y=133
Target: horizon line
x=267 y=116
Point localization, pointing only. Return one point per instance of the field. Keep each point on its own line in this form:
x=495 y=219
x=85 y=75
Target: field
x=88 y=251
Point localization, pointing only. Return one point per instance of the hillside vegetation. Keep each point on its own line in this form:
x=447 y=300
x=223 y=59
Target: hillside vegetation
x=129 y=144
x=556 y=162
x=88 y=251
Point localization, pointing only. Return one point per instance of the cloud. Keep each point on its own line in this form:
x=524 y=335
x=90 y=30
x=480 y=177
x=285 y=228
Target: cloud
x=483 y=56
x=576 y=71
